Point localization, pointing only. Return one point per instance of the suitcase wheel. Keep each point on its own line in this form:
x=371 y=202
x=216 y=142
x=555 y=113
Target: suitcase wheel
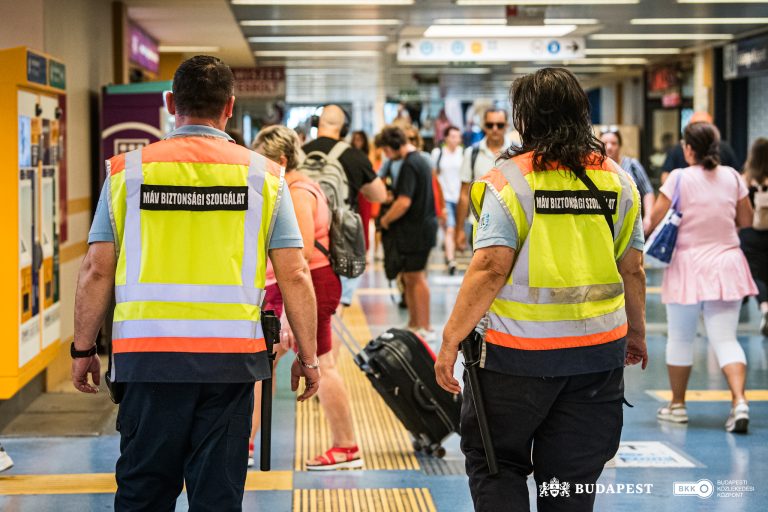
x=417 y=445
x=433 y=450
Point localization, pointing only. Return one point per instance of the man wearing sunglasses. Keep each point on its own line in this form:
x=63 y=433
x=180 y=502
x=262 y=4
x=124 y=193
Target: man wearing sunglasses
x=479 y=160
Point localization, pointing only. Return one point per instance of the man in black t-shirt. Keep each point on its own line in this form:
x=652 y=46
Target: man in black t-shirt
x=412 y=223
x=356 y=165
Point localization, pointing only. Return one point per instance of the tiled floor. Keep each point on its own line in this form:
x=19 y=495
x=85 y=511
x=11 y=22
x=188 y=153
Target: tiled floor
x=75 y=472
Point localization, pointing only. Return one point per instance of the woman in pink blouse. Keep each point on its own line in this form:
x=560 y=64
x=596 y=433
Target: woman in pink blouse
x=708 y=274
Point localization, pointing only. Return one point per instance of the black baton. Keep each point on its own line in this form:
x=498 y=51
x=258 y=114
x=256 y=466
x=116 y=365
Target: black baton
x=271 y=326
x=469 y=347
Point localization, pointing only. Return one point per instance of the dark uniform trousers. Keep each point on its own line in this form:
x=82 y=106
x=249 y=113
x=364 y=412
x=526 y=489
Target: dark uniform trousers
x=558 y=427
x=172 y=433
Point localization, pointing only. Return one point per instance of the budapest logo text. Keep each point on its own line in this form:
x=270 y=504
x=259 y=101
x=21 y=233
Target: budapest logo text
x=555 y=488
x=165 y=197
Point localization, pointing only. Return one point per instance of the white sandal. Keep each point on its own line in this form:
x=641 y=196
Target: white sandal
x=676 y=413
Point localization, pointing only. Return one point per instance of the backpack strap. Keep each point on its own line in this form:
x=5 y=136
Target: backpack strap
x=322 y=249
x=473 y=159
x=338 y=149
x=439 y=157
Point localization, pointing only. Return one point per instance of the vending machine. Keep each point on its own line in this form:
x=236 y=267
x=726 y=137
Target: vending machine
x=32 y=88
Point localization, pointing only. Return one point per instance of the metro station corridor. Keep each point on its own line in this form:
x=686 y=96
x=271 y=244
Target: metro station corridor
x=171 y=170
x=75 y=473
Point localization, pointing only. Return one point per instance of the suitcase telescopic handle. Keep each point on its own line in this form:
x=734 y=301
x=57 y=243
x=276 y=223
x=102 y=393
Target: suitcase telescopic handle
x=421 y=398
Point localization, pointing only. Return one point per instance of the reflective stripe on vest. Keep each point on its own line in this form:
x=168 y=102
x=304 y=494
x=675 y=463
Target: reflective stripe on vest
x=192 y=317
x=529 y=313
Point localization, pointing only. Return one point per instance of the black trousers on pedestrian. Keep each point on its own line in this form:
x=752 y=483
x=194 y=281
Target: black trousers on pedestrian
x=558 y=427
x=754 y=243
x=175 y=433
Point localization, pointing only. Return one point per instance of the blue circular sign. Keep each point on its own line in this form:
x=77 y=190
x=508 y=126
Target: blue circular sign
x=426 y=47
x=457 y=47
x=553 y=47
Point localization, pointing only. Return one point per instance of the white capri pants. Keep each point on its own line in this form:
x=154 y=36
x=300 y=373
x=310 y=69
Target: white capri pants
x=721 y=319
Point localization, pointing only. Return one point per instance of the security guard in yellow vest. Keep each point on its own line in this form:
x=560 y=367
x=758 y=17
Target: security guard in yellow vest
x=181 y=236
x=557 y=287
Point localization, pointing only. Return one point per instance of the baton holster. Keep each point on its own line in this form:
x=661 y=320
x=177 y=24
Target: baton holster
x=270 y=325
x=471 y=347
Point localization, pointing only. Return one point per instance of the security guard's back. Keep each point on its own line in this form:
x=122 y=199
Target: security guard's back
x=565 y=291
x=182 y=230
x=558 y=282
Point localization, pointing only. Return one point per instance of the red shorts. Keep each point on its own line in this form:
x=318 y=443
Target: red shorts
x=327 y=294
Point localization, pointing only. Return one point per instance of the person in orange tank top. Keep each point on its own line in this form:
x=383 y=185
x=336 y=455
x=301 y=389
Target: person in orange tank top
x=282 y=145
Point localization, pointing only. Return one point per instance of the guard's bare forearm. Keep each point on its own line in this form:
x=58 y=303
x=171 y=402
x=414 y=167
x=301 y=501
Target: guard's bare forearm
x=633 y=275
x=295 y=283
x=95 y=286
x=485 y=277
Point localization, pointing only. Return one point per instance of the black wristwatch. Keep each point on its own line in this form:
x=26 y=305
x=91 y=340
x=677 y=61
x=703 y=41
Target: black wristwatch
x=78 y=354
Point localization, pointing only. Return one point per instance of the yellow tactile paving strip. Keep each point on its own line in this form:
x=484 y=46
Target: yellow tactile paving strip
x=104 y=483
x=384 y=442
x=709 y=395
x=363 y=500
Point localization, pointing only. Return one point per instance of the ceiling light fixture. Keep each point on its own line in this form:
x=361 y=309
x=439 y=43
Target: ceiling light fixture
x=632 y=51
x=499 y=31
x=322 y=2
x=571 y=21
x=321 y=23
x=698 y=21
x=722 y=2
x=585 y=69
x=470 y=21
x=659 y=37
x=611 y=61
x=316 y=53
x=547 y=2
x=188 y=49
x=316 y=39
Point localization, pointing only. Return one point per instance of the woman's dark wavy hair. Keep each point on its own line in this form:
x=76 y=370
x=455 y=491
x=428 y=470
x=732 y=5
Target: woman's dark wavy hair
x=551 y=113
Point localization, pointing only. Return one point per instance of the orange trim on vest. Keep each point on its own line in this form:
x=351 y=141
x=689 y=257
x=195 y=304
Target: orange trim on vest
x=117 y=164
x=190 y=345
x=519 y=343
x=496 y=178
x=207 y=150
x=525 y=163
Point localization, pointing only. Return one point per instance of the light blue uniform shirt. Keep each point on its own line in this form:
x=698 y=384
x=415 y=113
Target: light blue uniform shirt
x=285 y=233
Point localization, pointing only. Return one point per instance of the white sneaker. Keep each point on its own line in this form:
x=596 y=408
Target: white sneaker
x=676 y=413
x=5 y=460
x=738 y=420
x=428 y=335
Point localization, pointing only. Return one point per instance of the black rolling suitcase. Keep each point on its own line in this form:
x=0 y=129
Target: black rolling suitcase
x=401 y=368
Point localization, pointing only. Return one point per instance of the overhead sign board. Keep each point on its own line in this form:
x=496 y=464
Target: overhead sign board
x=490 y=50
x=748 y=57
x=263 y=82
x=143 y=49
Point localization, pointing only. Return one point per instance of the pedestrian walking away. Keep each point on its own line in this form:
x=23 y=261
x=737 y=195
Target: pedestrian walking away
x=557 y=289
x=181 y=237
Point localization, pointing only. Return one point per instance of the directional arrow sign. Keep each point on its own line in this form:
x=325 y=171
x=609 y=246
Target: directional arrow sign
x=573 y=46
x=489 y=49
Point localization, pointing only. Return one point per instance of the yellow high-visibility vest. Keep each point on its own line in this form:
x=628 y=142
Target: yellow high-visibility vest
x=192 y=217
x=565 y=292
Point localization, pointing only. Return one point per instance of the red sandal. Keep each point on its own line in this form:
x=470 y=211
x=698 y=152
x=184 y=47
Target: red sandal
x=336 y=458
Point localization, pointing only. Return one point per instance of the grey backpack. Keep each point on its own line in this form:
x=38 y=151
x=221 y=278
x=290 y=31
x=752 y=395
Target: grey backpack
x=347 y=240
